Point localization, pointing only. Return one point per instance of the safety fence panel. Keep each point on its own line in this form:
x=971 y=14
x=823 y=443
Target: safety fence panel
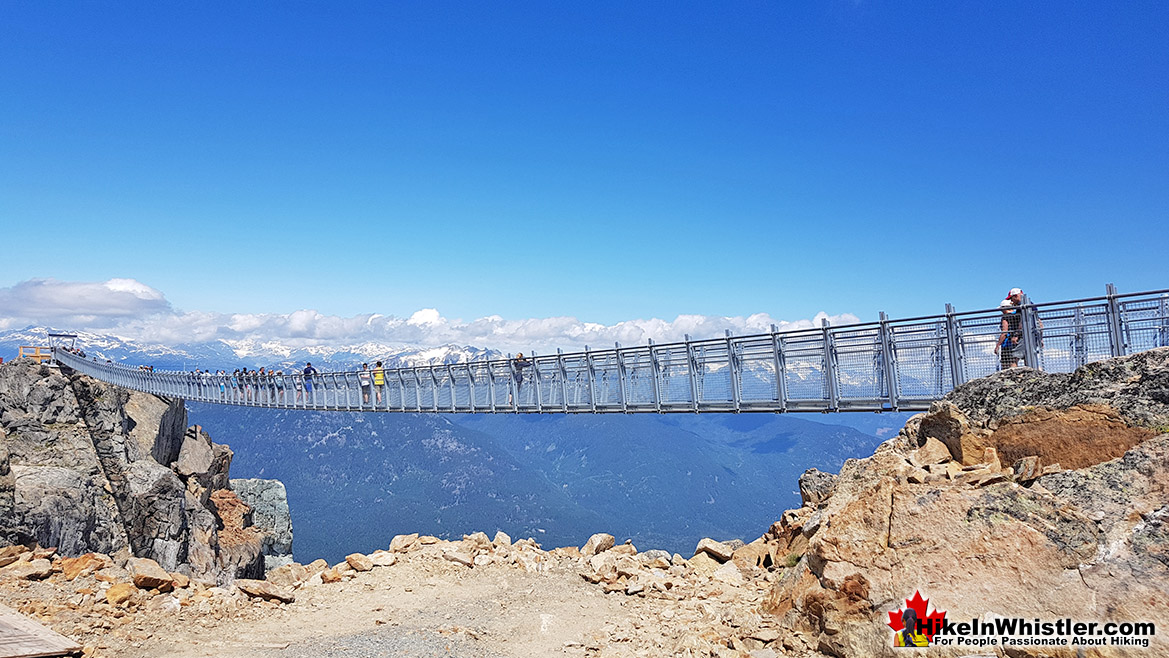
x=1145 y=323
x=859 y=371
x=923 y=365
x=804 y=361
x=756 y=371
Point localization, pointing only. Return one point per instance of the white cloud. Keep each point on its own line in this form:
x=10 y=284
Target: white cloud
x=96 y=305
x=135 y=311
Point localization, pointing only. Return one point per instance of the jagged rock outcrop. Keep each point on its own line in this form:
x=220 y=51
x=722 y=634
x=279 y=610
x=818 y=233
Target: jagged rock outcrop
x=271 y=515
x=80 y=470
x=994 y=524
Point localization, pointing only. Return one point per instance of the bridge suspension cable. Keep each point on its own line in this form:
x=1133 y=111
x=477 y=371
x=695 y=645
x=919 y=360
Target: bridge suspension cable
x=888 y=365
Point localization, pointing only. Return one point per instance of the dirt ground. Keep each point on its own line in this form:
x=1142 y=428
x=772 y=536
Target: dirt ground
x=423 y=605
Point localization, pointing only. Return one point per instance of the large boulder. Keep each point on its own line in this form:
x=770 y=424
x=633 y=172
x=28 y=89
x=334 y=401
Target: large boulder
x=271 y=515
x=816 y=486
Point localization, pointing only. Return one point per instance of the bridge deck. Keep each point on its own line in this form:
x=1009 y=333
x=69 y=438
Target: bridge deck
x=890 y=365
x=21 y=637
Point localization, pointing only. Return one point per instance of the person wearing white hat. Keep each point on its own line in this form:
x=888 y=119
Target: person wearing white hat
x=1009 y=345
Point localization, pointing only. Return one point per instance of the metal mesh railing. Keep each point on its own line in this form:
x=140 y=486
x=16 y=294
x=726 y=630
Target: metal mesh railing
x=890 y=365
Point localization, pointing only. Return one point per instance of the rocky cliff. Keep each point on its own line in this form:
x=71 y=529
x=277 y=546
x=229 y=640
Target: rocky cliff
x=1022 y=494
x=89 y=467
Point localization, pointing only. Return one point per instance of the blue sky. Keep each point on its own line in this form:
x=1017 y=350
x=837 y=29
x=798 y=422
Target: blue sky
x=605 y=161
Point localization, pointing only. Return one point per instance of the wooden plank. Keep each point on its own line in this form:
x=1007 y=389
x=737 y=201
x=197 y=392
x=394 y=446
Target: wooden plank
x=21 y=637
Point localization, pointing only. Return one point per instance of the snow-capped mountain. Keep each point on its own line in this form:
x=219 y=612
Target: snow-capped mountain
x=250 y=353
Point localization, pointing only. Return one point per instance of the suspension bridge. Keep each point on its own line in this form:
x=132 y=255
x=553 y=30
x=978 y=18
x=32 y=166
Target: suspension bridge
x=888 y=365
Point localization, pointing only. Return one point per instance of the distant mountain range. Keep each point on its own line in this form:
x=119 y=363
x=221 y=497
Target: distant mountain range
x=246 y=353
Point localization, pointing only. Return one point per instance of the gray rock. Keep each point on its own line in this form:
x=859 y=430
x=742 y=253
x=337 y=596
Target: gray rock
x=63 y=508
x=816 y=486
x=171 y=429
x=195 y=456
x=1137 y=386
x=271 y=515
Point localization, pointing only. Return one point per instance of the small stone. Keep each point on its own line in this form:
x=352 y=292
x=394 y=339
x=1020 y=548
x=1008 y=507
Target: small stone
x=703 y=563
x=359 y=562
x=478 y=541
x=1026 y=468
x=730 y=574
x=1052 y=468
x=403 y=543
x=113 y=574
x=10 y=554
x=483 y=560
x=459 y=557
x=715 y=549
x=330 y=576
x=383 y=558
x=44 y=553
x=501 y=539
x=148 y=575
x=73 y=567
x=931 y=452
x=427 y=540
x=31 y=570
x=120 y=593
x=598 y=543
x=262 y=589
x=180 y=580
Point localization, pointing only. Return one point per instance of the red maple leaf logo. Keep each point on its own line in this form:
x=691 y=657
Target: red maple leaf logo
x=931 y=623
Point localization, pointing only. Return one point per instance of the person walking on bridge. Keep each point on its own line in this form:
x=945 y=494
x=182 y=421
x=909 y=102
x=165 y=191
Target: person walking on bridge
x=517 y=373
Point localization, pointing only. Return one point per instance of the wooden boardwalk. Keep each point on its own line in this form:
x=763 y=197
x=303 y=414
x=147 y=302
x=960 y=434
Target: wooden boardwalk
x=21 y=637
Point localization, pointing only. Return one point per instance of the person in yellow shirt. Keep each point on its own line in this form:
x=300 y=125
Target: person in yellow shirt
x=379 y=382
x=909 y=636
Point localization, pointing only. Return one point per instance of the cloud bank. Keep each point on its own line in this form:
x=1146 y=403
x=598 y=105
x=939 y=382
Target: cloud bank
x=134 y=311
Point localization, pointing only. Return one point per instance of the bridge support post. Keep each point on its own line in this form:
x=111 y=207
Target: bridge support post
x=1115 y=332
x=888 y=365
x=957 y=363
x=654 y=372
x=621 y=378
x=780 y=368
x=830 y=366
x=693 y=372
x=733 y=367
x=592 y=379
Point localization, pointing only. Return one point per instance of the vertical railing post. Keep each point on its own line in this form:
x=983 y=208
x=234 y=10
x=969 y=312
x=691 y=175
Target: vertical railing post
x=1079 y=347
x=1115 y=334
x=1030 y=345
x=693 y=372
x=563 y=379
x=780 y=368
x=1163 y=333
x=592 y=379
x=450 y=373
x=512 y=385
x=888 y=364
x=536 y=384
x=732 y=365
x=653 y=368
x=621 y=378
x=491 y=386
x=829 y=365
x=957 y=367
